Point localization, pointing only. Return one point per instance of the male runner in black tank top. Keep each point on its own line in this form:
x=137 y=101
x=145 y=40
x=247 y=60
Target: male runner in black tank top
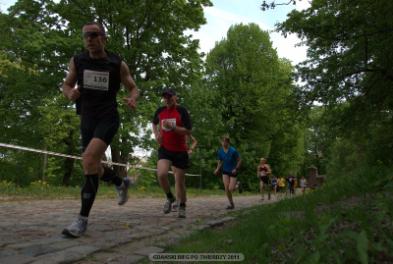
x=97 y=74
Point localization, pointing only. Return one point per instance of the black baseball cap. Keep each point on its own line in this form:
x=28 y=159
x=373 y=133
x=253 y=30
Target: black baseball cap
x=169 y=92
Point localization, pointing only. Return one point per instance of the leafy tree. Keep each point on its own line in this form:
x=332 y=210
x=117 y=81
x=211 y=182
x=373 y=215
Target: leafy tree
x=60 y=130
x=349 y=69
x=241 y=69
x=43 y=35
x=207 y=126
x=35 y=44
x=255 y=98
x=155 y=47
x=287 y=143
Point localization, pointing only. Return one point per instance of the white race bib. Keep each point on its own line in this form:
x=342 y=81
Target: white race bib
x=96 y=80
x=170 y=121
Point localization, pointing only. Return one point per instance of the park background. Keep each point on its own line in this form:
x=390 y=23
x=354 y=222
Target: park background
x=331 y=109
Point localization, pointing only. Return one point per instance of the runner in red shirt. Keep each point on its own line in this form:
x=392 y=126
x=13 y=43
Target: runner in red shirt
x=171 y=125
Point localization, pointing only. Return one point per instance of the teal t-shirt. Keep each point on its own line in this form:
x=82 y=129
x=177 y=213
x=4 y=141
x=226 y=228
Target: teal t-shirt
x=229 y=158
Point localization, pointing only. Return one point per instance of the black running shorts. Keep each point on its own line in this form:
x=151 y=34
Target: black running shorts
x=264 y=179
x=229 y=173
x=179 y=159
x=104 y=128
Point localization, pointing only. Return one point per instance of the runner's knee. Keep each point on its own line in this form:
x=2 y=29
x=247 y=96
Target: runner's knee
x=162 y=175
x=90 y=162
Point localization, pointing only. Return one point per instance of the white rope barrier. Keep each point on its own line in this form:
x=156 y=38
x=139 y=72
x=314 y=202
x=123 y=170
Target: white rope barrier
x=80 y=158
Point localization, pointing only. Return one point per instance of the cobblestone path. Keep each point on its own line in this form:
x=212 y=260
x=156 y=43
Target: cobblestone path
x=30 y=231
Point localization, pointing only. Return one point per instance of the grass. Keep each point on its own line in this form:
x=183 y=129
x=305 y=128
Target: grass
x=41 y=190
x=349 y=220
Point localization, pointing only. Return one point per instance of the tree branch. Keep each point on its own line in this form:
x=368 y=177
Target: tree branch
x=265 y=6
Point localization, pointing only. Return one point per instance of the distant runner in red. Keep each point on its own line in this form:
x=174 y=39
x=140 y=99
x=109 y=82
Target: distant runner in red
x=263 y=173
x=171 y=126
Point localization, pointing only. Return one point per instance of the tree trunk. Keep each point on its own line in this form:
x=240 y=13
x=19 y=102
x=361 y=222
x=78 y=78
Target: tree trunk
x=116 y=157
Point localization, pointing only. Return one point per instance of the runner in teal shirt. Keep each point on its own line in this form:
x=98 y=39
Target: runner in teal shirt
x=229 y=161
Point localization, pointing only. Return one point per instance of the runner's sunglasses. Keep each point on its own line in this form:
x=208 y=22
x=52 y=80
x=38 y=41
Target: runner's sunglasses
x=91 y=34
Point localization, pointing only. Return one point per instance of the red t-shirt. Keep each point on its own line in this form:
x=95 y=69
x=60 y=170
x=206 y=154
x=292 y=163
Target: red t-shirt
x=171 y=140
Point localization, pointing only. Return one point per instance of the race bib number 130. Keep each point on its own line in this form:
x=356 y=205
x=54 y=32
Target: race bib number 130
x=96 y=80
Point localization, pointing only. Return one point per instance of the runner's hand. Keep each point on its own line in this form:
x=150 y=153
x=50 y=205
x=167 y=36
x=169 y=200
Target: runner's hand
x=74 y=94
x=131 y=102
x=159 y=139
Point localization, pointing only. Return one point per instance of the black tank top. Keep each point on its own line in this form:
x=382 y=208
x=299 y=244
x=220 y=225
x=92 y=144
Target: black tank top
x=98 y=81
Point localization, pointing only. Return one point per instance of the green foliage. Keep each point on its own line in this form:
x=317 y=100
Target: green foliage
x=254 y=98
x=156 y=48
x=241 y=70
x=7 y=186
x=39 y=38
x=41 y=185
x=34 y=47
x=347 y=49
x=349 y=71
x=207 y=124
x=43 y=190
x=146 y=178
x=318 y=139
x=330 y=225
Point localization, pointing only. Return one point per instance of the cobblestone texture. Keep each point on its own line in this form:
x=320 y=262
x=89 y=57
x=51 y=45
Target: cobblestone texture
x=30 y=231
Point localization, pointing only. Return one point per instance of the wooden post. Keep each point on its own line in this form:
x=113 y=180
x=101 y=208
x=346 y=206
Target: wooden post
x=44 y=165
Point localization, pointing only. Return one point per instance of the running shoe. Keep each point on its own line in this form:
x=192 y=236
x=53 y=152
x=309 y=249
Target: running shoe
x=168 y=205
x=230 y=207
x=181 y=213
x=122 y=191
x=175 y=206
x=76 y=228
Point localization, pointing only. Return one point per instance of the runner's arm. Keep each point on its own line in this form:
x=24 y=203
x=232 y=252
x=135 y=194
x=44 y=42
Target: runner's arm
x=194 y=142
x=186 y=128
x=129 y=84
x=219 y=165
x=156 y=133
x=239 y=162
x=269 y=170
x=69 y=90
